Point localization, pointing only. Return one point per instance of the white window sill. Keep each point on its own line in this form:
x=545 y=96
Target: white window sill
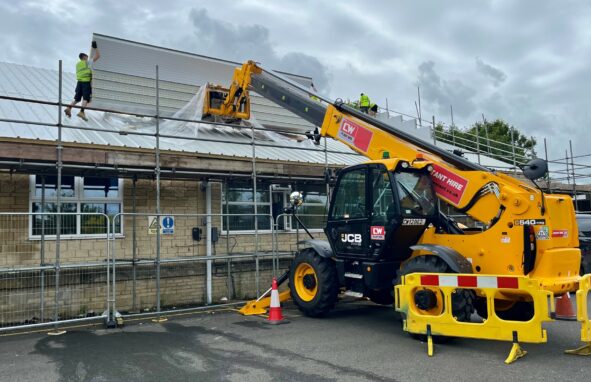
x=292 y=231
x=76 y=237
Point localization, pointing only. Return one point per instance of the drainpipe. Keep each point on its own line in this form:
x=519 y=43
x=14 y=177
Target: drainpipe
x=208 y=240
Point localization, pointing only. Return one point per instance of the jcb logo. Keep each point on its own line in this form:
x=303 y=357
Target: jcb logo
x=351 y=238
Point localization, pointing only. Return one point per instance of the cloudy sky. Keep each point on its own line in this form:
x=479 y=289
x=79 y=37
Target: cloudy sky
x=525 y=61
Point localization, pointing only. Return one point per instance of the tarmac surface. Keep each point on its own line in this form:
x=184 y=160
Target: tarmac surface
x=356 y=342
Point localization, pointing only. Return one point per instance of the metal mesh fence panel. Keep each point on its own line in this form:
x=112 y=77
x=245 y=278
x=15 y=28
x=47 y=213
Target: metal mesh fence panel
x=36 y=285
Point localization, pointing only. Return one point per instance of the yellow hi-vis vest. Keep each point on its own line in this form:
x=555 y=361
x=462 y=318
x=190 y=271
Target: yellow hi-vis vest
x=83 y=72
x=364 y=101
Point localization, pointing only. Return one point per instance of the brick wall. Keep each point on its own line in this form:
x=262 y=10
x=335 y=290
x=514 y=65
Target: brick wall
x=84 y=290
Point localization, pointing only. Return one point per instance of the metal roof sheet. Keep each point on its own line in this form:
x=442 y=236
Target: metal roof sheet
x=124 y=78
x=42 y=84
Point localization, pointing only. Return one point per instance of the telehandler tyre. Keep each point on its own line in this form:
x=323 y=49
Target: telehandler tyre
x=462 y=300
x=381 y=296
x=313 y=283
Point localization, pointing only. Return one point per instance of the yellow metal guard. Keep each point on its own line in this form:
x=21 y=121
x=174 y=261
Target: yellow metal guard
x=583 y=316
x=493 y=328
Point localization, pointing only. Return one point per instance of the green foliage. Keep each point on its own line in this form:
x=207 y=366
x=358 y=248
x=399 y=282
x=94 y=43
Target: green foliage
x=494 y=140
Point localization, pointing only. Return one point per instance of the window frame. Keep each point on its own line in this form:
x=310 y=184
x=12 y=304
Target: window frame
x=78 y=199
x=289 y=223
x=223 y=196
x=313 y=204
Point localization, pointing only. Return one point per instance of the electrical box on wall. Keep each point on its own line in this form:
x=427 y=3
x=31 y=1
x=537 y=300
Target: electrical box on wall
x=196 y=233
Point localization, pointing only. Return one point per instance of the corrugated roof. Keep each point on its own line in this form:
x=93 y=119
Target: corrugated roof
x=42 y=84
x=25 y=81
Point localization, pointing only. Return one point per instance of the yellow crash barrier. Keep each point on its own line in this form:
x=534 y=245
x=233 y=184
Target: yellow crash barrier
x=432 y=316
x=583 y=316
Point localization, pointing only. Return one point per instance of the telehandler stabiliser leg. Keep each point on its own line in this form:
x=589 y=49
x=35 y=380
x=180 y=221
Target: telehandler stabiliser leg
x=260 y=305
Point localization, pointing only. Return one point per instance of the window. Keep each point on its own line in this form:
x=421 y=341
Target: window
x=238 y=203
x=383 y=205
x=88 y=195
x=238 y=199
x=313 y=212
x=416 y=193
x=349 y=202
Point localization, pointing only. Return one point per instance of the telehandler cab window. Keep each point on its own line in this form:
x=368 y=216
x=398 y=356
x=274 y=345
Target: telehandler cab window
x=383 y=205
x=415 y=191
x=349 y=200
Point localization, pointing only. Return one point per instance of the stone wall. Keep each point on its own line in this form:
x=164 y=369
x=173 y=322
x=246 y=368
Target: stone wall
x=83 y=289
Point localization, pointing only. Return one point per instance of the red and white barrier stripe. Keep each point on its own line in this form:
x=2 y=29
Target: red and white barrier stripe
x=470 y=281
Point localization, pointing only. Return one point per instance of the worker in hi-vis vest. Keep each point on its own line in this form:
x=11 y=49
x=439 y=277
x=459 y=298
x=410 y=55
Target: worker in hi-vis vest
x=364 y=103
x=84 y=77
x=373 y=109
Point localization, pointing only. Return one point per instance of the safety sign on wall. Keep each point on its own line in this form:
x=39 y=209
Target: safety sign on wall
x=166 y=225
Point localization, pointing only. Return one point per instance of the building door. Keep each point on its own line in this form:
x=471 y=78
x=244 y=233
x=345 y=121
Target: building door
x=279 y=200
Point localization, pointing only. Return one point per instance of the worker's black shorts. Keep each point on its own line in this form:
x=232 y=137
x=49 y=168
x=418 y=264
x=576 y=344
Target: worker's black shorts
x=83 y=91
x=364 y=109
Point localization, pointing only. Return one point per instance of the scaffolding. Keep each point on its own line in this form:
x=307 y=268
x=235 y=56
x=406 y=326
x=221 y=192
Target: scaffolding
x=159 y=172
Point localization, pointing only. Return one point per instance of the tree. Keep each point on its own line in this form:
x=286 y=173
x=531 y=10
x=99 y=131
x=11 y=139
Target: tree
x=496 y=139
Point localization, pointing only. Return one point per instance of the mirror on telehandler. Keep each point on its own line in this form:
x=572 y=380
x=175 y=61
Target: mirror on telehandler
x=296 y=199
x=535 y=169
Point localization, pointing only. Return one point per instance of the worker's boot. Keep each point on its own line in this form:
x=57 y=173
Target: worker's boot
x=82 y=115
x=68 y=112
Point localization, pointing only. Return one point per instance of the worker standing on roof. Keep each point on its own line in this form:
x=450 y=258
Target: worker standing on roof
x=84 y=84
x=364 y=103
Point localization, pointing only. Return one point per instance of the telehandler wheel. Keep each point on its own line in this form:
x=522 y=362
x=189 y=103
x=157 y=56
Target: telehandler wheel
x=381 y=296
x=313 y=283
x=462 y=300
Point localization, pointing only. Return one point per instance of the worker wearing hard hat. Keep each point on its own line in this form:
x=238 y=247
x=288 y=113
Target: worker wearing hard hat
x=83 y=86
x=364 y=103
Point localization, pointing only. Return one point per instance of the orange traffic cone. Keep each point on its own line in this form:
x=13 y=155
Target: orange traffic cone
x=565 y=309
x=275 y=315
